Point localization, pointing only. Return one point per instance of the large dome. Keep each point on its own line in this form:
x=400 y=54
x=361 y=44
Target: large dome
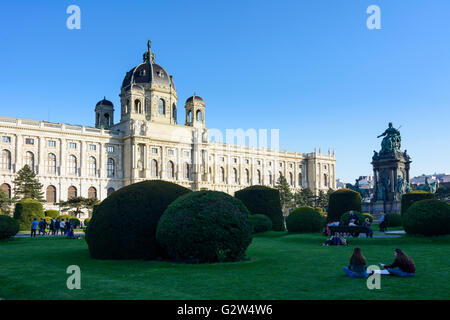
x=147 y=72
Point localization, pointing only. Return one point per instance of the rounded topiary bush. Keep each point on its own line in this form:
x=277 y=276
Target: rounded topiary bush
x=361 y=217
x=8 y=227
x=305 y=219
x=124 y=225
x=263 y=200
x=393 y=220
x=75 y=222
x=427 y=217
x=205 y=226
x=260 y=223
x=26 y=210
x=64 y=217
x=342 y=201
x=409 y=198
x=52 y=213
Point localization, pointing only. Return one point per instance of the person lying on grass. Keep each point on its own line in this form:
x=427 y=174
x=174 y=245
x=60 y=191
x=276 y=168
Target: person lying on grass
x=357 y=266
x=403 y=266
x=335 y=240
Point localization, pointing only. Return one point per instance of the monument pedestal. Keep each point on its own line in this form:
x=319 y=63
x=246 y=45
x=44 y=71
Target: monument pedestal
x=376 y=208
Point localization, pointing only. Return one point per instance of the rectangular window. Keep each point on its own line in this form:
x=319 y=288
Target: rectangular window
x=51 y=143
x=170 y=152
x=92 y=147
x=72 y=145
x=155 y=150
x=29 y=141
x=6 y=139
x=110 y=149
x=186 y=154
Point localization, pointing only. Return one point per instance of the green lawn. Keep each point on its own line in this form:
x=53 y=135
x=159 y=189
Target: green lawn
x=281 y=266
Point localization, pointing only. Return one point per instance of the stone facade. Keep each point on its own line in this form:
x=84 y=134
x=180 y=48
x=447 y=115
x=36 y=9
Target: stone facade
x=147 y=143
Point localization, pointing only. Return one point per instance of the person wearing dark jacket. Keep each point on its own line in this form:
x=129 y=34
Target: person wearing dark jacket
x=357 y=266
x=403 y=266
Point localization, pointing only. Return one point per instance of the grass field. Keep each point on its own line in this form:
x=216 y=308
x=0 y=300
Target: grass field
x=281 y=266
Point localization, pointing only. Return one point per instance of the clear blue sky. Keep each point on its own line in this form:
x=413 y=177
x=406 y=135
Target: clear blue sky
x=309 y=68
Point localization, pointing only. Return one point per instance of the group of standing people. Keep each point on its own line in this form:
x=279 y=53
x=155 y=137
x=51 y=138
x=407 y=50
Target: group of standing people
x=54 y=227
x=403 y=266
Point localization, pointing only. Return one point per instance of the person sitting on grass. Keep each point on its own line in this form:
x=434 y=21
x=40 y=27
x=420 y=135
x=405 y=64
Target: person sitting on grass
x=357 y=266
x=403 y=266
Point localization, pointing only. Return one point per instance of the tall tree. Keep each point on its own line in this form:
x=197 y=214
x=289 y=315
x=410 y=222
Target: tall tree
x=305 y=197
x=5 y=202
x=76 y=205
x=322 y=200
x=26 y=185
x=285 y=192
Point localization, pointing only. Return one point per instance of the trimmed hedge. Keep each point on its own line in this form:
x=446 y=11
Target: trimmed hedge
x=427 y=217
x=342 y=201
x=260 y=223
x=409 y=198
x=26 y=210
x=52 y=213
x=361 y=217
x=305 y=219
x=205 y=226
x=393 y=220
x=263 y=200
x=124 y=225
x=75 y=222
x=8 y=227
x=65 y=217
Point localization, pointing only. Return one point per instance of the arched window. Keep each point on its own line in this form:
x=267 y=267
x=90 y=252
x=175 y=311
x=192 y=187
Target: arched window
x=300 y=179
x=291 y=179
x=270 y=178
x=199 y=116
x=186 y=171
x=92 y=166
x=154 y=168
x=247 y=176
x=258 y=176
x=190 y=116
x=174 y=112
x=325 y=180
x=170 y=170
x=92 y=193
x=5 y=160
x=51 y=194
x=110 y=191
x=137 y=106
x=221 y=174
x=127 y=106
x=235 y=175
x=6 y=188
x=29 y=159
x=110 y=168
x=71 y=192
x=51 y=163
x=72 y=164
x=161 y=107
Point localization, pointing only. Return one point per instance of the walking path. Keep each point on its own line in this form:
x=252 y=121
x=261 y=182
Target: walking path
x=28 y=234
